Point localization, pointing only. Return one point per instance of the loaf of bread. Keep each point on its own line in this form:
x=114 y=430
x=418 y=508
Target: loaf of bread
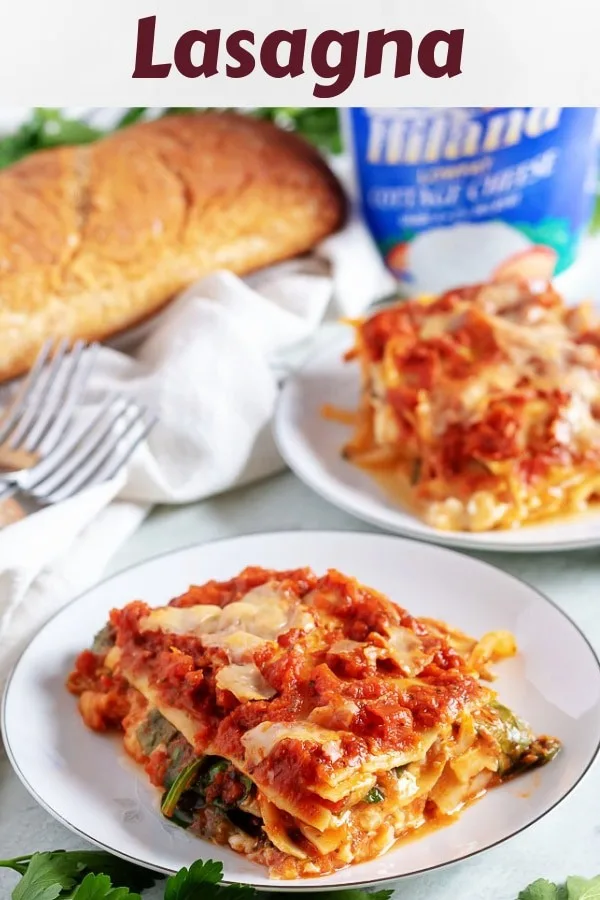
x=95 y=239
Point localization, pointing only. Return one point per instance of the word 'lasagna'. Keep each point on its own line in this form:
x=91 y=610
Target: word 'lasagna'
x=306 y=722
x=481 y=407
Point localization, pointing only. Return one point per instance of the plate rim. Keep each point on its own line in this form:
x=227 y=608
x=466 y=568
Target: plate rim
x=296 y=886
x=327 y=493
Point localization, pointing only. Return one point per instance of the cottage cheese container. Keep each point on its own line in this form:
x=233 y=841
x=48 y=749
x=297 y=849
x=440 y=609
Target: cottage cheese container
x=461 y=195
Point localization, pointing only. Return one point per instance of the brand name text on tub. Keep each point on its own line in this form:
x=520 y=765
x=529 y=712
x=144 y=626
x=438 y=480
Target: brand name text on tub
x=417 y=137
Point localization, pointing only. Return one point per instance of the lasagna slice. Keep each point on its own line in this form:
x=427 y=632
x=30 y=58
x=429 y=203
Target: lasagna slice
x=480 y=408
x=307 y=722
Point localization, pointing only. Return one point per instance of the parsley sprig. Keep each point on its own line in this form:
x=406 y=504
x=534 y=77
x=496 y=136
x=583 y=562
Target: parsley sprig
x=575 y=888
x=95 y=875
x=50 y=127
x=77 y=875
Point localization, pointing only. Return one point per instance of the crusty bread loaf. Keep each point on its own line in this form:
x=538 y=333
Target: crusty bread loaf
x=94 y=239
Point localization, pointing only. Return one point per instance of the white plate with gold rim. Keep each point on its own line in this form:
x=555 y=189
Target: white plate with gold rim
x=311 y=445
x=86 y=781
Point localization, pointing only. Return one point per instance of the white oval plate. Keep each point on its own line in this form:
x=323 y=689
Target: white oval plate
x=86 y=781
x=311 y=445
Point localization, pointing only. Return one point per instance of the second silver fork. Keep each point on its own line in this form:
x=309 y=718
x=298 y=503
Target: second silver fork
x=40 y=413
x=90 y=453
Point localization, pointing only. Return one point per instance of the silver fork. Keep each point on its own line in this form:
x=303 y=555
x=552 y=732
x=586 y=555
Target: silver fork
x=39 y=414
x=90 y=453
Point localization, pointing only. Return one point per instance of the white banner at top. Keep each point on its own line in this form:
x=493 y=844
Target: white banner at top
x=314 y=52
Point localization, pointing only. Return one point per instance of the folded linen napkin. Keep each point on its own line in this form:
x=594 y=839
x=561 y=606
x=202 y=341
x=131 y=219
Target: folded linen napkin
x=210 y=366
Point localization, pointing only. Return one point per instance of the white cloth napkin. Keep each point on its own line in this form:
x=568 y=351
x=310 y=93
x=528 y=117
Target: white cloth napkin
x=211 y=368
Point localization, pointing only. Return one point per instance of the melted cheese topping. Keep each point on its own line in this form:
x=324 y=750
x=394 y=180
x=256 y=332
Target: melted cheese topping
x=406 y=650
x=402 y=646
x=245 y=682
x=238 y=628
x=544 y=352
x=239 y=645
x=181 y=619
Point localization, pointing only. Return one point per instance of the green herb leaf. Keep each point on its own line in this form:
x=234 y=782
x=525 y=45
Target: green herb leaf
x=184 y=885
x=230 y=892
x=120 y=872
x=583 y=888
x=540 y=890
x=356 y=894
x=135 y=114
x=182 y=783
x=189 y=110
x=75 y=864
x=47 y=127
x=221 y=765
x=375 y=795
x=17 y=864
x=415 y=474
x=95 y=875
x=99 y=887
x=47 y=876
x=153 y=731
x=512 y=734
x=63 y=132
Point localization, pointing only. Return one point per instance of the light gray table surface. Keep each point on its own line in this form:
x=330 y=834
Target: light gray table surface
x=567 y=841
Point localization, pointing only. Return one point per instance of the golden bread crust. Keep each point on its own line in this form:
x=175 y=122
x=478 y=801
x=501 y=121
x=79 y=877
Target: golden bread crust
x=95 y=239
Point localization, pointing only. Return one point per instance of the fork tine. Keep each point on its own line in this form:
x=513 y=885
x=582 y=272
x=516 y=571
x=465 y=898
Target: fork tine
x=35 y=402
x=24 y=393
x=115 y=458
x=51 y=427
x=54 y=398
x=63 y=450
x=71 y=453
x=124 y=453
x=99 y=451
x=99 y=456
